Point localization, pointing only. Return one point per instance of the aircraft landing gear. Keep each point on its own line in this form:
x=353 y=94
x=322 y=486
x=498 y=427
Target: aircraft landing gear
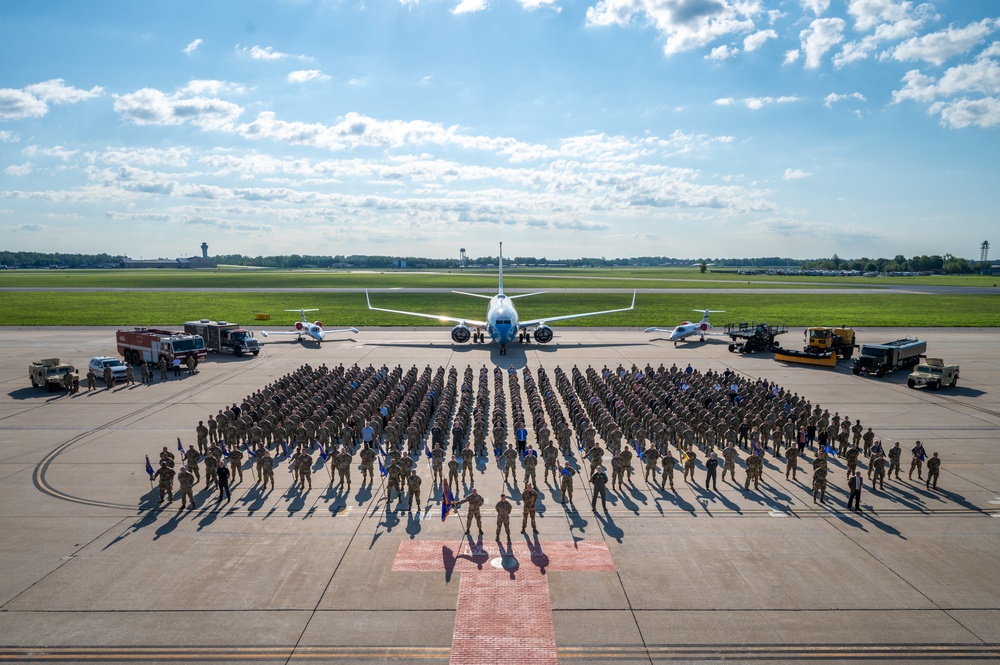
x=503 y=349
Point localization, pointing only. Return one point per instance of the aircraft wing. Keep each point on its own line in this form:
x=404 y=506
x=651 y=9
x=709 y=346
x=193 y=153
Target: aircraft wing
x=342 y=330
x=268 y=334
x=669 y=331
x=436 y=317
x=564 y=317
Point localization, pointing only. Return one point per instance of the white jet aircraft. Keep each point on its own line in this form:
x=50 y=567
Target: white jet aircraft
x=687 y=329
x=312 y=330
x=501 y=322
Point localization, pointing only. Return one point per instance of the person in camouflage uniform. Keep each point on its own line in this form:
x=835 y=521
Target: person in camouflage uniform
x=819 y=483
x=652 y=456
x=191 y=457
x=202 y=433
x=528 y=499
x=166 y=486
x=129 y=375
x=566 y=482
x=510 y=463
x=753 y=463
x=343 y=461
x=91 y=380
x=406 y=465
x=933 y=471
x=869 y=439
x=689 y=460
x=475 y=504
x=791 y=462
x=186 y=482
x=211 y=469
x=729 y=454
x=917 y=462
x=550 y=456
x=596 y=456
x=437 y=464
x=304 y=463
x=504 y=509
x=368 y=465
x=530 y=464
x=162 y=365
x=236 y=462
x=852 y=460
x=617 y=470
x=266 y=468
x=877 y=469
x=668 y=462
x=468 y=463
x=394 y=482
x=413 y=491
x=895 y=453
x=213 y=430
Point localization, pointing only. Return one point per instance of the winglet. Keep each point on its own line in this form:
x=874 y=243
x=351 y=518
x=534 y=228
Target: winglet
x=264 y=333
x=354 y=330
x=367 y=298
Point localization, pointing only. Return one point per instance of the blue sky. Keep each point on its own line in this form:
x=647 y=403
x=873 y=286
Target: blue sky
x=686 y=128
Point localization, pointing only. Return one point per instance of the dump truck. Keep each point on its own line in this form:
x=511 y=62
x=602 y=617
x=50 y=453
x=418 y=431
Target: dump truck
x=880 y=359
x=224 y=337
x=753 y=337
x=148 y=345
x=824 y=346
x=49 y=374
x=933 y=373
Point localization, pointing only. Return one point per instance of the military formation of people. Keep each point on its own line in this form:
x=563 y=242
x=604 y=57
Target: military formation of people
x=146 y=373
x=395 y=416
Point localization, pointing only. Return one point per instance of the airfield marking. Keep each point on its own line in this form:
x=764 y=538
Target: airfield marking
x=494 y=599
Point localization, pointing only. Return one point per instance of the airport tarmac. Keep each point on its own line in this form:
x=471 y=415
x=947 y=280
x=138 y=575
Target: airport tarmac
x=94 y=572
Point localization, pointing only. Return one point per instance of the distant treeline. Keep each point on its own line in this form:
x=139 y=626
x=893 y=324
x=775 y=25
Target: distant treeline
x=949 y=264
x=899 y=263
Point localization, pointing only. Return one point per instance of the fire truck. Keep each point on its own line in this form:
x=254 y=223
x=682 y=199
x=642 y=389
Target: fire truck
x=148 y=345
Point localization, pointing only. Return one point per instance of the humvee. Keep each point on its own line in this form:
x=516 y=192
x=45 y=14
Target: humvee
x=49 y=373
x=933 y=373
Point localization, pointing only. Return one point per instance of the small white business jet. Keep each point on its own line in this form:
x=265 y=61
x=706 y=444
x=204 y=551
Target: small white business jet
x=688 y=329
x=313 y=330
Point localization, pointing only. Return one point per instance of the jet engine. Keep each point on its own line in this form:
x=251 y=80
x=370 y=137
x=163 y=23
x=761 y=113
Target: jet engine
x=543 y=334
x=318 y=323
x=703 y=326
x=460 y=334
x=298 y=325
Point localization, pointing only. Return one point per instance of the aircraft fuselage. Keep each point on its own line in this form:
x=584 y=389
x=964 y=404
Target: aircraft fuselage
x=501 y=319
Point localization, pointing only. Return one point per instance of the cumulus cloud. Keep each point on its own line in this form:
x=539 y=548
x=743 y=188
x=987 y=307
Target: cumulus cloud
x=304 y=75
x=757 y=39
x=834 y=97
x=149 y=106
x=821 y=36
x=469 y=7
x=795 y=174
x=532 y=5
x=192 y=47
x=269 y=53
x=963 y=113
x=7 y=136
x=686 y=24
x=938 y=47
x=965 y=95
x=789 y=227
x=18 y=169
x=723 y=52
x=58 y=152
x=33 y=101
x=816 y=6
x=791 y=56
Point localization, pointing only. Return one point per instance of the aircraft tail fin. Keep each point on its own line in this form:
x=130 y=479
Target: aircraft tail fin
x=500 y=291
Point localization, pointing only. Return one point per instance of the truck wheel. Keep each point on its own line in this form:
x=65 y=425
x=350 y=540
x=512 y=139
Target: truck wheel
x=237 y=351
x=856 y=371
x=732 y=348
x=48 y=387
x=880 y=373
x=936 y=385
x=953 y=382
x=34 y=384
x=910 y=383
x=256 y=352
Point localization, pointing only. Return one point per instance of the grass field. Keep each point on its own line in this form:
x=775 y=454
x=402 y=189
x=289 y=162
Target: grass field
x=513 y=279
x=47 y=308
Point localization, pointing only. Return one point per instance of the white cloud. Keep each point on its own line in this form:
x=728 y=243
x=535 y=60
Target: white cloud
x=532 y=5
x=795 y=174
x=7 y=136
x=33 y=101
x=962 y=113
x=469 y=7
x=686 y=24
x=756 y=103
x=269 y=53
x=303 y=75
x=192 y=47
x=723 y=52
x=821 y=36
x=176 y=157
x=791 y=56
x=757 y=39
x=788 y=227
x=58 y=152
x=869 y=13
x=816 y=6
x=938 y=47
x=833 y=98
x=991 y=51
x=200 y=87
x=18 y=169
x=153 y=107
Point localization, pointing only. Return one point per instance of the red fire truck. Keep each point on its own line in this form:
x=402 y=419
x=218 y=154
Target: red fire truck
x=148 y=345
